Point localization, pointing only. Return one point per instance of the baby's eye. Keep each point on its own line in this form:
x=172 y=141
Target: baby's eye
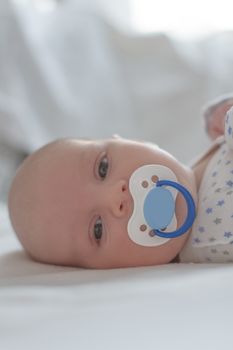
x=103 y=167
x=98 y=229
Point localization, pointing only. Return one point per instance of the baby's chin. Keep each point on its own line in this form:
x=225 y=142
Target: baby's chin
x=188 y=181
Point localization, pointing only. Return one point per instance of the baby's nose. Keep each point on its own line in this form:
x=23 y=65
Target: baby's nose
x=119 y=199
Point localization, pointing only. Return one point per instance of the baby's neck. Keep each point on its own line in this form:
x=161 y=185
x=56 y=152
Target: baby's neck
x=200 y=168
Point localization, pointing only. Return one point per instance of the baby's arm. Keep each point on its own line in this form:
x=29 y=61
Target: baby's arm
x=214 y=115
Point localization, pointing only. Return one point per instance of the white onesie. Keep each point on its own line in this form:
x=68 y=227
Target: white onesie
x=211 y=239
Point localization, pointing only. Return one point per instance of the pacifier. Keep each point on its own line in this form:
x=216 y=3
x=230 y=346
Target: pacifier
x=154 y=189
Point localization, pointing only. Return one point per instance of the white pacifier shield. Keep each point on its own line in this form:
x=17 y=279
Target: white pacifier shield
x=141 y=182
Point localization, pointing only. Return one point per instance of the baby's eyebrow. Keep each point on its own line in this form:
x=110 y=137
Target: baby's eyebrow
x=89 y=160
x=90 y=156
x=86 y=159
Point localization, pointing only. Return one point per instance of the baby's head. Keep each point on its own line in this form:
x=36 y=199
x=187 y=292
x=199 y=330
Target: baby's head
x=70 y=204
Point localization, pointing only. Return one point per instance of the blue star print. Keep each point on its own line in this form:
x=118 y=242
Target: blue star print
x=227 y=234
x=201 y=229
x=229 y=183
x=220 y=203
x=229 y=130
x=209 y=210
x=214 y=174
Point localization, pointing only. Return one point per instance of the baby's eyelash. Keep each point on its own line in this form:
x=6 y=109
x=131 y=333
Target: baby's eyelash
x=98 y=230
x=102 y=171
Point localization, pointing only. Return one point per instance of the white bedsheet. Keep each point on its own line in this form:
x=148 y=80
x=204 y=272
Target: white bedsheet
x=176 y=306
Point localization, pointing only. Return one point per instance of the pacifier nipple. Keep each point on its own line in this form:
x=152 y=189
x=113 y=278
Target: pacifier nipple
x=154 y=189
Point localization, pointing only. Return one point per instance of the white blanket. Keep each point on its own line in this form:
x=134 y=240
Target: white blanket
x=174 y=306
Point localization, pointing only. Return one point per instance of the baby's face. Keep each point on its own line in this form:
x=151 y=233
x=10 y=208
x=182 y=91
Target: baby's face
x=75 y=203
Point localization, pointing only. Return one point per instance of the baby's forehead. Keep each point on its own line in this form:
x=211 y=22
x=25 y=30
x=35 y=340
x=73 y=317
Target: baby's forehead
x=69 y=156
x=61 y=151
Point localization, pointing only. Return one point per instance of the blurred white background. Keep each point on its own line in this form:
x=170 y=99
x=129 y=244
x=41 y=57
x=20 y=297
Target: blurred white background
x=92 y=68
x=184 y=19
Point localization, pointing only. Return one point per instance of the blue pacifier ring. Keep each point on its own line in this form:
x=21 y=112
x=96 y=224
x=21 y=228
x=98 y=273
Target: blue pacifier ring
x=190 y=206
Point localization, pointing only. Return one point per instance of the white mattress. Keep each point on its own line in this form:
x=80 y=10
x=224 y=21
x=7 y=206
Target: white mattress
x=176 y=306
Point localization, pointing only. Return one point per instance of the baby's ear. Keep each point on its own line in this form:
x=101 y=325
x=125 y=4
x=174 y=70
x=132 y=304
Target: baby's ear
x=214 y=115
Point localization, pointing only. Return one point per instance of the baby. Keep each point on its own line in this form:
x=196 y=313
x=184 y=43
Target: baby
x=70 y=201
